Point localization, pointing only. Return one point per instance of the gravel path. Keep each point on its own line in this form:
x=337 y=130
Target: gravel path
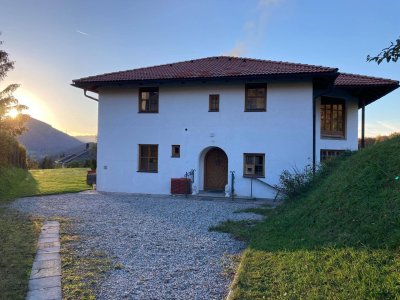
x=162 y=242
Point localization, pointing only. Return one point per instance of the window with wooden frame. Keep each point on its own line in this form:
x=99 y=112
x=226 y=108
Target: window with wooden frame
x=148 y=158
x=256 y=97
x=333 y=117
x=213 y=105
x=253 y=165
x=327 y=154
x=176 y=151
x=148 y=100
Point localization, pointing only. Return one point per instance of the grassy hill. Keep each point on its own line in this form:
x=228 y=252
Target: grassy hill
x=339 y=240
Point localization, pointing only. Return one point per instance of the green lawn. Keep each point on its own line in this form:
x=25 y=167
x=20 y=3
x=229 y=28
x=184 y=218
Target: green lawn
x=18 y=233
x=339 y=240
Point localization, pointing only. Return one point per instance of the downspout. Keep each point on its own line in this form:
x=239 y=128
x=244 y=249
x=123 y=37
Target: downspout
x=90 y=97
x=362 y=123
x=314 y=129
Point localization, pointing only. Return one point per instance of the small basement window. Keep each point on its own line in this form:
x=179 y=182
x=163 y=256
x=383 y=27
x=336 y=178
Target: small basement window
x=148 y=158
x=327 y=154
x=213 y=103
x=253 y=165
x=176 y=151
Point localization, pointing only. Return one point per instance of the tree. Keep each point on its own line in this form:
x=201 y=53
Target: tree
x=47 y=163
x=391 y=53
x=13 y=125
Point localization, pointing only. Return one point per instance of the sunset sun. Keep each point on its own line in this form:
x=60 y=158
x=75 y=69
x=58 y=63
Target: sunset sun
x=13 y=113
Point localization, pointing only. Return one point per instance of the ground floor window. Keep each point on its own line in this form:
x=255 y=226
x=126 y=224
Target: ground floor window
x=148 y=158
x=254 y=165
x=327 y=154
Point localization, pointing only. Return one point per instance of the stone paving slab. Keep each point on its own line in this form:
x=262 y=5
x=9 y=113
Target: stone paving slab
x=41 y=273
x=47 y=256
x=53 y=293
x=45 y=282
x=48 y=239
x=45 y=279
x=46 y=264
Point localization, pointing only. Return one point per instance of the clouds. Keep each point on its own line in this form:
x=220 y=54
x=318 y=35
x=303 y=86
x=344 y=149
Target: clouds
x=254 y=30
x=81 y=32
x=381 y=128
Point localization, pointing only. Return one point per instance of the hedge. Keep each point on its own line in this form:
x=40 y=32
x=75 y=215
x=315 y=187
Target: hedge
x=11 y=152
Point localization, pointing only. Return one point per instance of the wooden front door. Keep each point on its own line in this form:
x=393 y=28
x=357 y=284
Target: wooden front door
x=216 y=170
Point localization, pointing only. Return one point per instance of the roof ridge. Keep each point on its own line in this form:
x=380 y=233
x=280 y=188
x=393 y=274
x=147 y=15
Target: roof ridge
x=278 y=61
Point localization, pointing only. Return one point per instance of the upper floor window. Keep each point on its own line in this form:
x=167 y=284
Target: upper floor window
x=148 y=100
x=256 y=97
x=213 y=103
x=253 y=165
x=148 y=158
x=332 y=117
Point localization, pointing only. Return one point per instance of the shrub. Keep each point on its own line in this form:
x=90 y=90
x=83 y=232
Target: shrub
x=294 y=183
x=297 y=182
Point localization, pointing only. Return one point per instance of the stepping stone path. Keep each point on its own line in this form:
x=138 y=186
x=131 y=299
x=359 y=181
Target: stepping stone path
x=45 y=280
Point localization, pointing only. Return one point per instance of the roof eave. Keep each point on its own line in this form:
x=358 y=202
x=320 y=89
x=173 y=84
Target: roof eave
x=95 y=85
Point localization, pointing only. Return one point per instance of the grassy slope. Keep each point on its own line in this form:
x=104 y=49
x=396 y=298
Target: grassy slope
x=338 y=241
x=18 y=233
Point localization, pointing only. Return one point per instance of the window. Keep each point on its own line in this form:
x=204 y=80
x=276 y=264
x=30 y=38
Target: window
x=148 y=100
x=176 y=151
x=148 y=158
x=327 y=154
x=213 y=103
x=332 y=117
x=256 y=97
x=253 y=165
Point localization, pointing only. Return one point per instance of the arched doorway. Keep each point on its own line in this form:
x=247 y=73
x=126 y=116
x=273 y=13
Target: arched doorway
x=215 y=170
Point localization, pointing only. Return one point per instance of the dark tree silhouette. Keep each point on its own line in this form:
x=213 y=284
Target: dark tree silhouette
x=391 y=53
x=8 y=124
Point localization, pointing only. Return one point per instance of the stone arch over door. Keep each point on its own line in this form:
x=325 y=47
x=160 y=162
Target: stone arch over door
x=215 y=170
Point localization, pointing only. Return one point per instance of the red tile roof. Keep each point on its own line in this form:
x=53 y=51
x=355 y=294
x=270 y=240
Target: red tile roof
x=354 y=80
x=210 y=67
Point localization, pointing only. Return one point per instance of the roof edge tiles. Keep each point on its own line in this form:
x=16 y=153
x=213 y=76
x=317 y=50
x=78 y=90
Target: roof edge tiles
x=210 y=67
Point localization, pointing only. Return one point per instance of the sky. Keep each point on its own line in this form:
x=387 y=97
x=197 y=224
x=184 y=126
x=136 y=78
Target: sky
x=53 y=42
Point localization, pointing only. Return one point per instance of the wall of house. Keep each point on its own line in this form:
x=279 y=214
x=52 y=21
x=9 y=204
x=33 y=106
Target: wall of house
x=283 y=133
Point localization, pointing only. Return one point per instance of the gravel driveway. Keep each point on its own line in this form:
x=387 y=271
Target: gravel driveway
x=162 y=242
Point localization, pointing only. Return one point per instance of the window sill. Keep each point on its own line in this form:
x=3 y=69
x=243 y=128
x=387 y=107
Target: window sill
x=213 y=111
x=148 y=112
x=255 y=110
x=147 y=171
x=253 y=176
x=175 y=157
x=332 y=137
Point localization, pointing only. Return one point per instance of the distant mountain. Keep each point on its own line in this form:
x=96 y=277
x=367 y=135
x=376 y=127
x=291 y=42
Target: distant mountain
x=41 y=139
x=86 y=138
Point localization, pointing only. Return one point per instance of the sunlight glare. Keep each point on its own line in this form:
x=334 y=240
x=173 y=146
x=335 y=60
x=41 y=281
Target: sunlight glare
x=13 y=113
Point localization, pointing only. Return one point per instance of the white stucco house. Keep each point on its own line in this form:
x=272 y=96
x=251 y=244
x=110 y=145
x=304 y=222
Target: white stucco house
x=219 y=115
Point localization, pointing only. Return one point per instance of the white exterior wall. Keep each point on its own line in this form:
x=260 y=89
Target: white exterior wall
x=283 y=133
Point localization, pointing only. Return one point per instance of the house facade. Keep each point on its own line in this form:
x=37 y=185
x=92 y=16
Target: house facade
x=223 y=117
